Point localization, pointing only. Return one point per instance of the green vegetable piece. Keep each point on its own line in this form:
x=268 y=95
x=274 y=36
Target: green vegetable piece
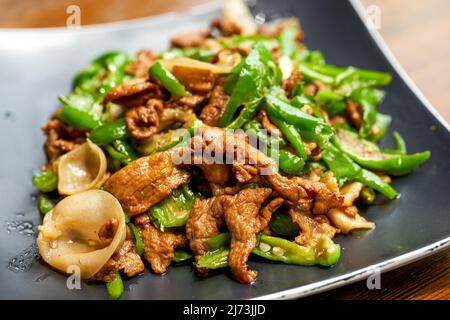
x=80 y=110
x=200 y=54
x=181 y=256
x=311 y=128
x=368 y=155
x=168 y=80
x=109 y=132
x=288 y=43
x=282 y=224
x=311 y=74
x=122 y=151
x=368 y=99
x=249 y=79
x=115 y=288
x=376 y=77
x=344 y=168
x=382 y=123
x=289 y=163
x=174 y=210
x=44 y=204
x=218 y=241
x=46 y=181
x=325 y=252
x=214 y=259
x=367 y=195
x=137 y=238
x=291 y=134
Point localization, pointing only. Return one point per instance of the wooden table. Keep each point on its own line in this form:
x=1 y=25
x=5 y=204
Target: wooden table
x=417 y=31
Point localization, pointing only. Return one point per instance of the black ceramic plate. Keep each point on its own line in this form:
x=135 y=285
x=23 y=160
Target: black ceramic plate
x=38 y=65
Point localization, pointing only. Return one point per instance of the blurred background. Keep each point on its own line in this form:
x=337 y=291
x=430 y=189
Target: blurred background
x=417 y=31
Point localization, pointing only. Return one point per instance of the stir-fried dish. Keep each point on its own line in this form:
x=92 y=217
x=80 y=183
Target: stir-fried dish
x=236 y=142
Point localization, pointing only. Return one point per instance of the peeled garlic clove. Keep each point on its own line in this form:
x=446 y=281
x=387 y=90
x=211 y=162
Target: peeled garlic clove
x=69 y=236
x=81 y=169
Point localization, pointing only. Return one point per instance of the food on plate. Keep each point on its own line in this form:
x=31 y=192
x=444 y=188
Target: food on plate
x=237 y=141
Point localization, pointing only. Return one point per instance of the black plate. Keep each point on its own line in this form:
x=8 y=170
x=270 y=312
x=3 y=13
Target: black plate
x=38 y=65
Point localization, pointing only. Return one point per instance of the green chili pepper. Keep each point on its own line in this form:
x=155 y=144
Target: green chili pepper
x=218 y=241
x=46 y=181
x=44 y=204
x=282 y=224
x=400 y=145
x=291 y=134
x=254 y=128
x=378 y=78
x=288 y=43
x=168 y=80
x=250 y=78
x=368 y=155
x=80 y=110
x=300 y=101
x=289 y=163
x=382 y=123
x=104 y=73
x=344 y=168
x=109 y=132
x=137 y=238
x=115 y=288
x=214 y=259
x=181 y=256
x=325 y=252
x=174 y=210
x=367 y=195
x=311 y=128
x=248 y=112
x=368 y=99
x=200 y=54
x=122 y=151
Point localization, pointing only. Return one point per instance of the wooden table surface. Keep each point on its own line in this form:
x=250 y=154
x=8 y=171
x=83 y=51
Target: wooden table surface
x=418 y=33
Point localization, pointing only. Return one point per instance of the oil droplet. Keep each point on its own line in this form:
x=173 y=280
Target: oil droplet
x=42 y=277
x=20 y=215
x=22 y=227
x=24 y=260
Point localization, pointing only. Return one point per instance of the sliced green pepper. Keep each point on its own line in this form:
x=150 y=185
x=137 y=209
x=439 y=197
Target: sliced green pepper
x=168 y=80
x=115 y=288
x=44 y=204
x=174 y=210
x=368 y=155
x=368 y=99
x=109 y=132
x=311 y=128
x=80 y=110
x=122 y=151
x=325 y=252
x=137 y=238
x=291 y=134
x=250 y=78
x=282 y=224
x=46 y=181
x=287 y=38
x=200 y=54
x=344 y=168
x=181 y=256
